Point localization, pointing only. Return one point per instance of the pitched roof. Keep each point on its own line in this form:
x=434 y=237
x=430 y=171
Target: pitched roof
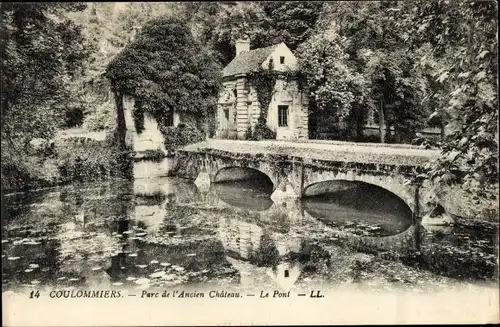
x=248 y=61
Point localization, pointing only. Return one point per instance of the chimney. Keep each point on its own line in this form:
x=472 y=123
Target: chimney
x=242 y=45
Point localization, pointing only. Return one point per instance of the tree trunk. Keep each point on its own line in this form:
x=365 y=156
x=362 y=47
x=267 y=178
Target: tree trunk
x=356 y=121
x=442 y=126
x=121 y=128
x=381 y=121
x=415 y=217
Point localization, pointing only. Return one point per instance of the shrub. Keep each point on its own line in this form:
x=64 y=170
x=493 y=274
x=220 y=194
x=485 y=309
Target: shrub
x=249 y=133
x=73 y=116
x=262 y=131
x=182 y=135
x=91 y=161
x=102 y=118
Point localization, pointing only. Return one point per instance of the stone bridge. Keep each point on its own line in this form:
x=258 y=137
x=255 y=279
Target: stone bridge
x=297 y=169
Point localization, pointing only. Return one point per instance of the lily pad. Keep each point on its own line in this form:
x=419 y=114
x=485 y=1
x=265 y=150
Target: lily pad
x=158 y=274
x=142 y=281
x=169 y=277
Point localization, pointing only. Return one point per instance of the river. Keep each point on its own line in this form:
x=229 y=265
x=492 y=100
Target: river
x=95 y=234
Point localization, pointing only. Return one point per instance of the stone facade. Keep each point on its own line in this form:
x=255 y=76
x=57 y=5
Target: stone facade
x=238 y=106
x=150 y=138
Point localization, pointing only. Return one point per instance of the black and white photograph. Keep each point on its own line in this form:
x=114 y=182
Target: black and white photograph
x=249 y=163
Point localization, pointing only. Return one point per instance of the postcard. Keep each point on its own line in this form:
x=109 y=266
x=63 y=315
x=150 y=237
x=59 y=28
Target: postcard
x=249 y=163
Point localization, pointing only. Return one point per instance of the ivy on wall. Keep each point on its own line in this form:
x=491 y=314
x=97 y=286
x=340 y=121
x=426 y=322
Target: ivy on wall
x=138 y=115
x=264 y=81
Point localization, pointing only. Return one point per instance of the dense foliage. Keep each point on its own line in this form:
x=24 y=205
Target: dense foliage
x=164 y=69
x=183 y=134
x=413 y=64
x=220 y=24
x=358 y=65
x=108 y=27
x=459 y=45
x=41 y=54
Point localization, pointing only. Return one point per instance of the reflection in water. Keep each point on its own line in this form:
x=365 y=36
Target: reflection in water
x=91 y=234
x=245 y=194
x=361 y=205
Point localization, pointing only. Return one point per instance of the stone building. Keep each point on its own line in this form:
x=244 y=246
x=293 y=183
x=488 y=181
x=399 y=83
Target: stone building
x=238 y=105
x=151 y=137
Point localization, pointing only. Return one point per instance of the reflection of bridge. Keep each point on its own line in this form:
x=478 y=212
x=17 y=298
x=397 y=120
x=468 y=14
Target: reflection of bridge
x=287 y=221
x=294 y=167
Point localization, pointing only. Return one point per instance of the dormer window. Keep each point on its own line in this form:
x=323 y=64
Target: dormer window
x=282 y=60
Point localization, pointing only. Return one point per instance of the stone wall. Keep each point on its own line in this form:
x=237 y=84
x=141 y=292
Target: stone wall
x=288 y=93
x=244 y=110
x=151 y=137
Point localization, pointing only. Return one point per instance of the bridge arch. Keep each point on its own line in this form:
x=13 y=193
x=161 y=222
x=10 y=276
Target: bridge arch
x=392 y=184
x=235 y=173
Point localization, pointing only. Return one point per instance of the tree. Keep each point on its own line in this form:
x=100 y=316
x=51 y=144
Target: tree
x=43 y=51
x=375 y=51
x=165 y=69
x=289 y=22
x=461 y=40
x=108 y=27
x=336 y=89
x=220 y=24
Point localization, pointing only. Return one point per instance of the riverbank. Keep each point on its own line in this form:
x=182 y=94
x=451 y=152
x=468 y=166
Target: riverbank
x=64 y=160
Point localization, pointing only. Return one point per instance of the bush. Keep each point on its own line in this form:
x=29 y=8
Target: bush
x=182 y=135
x=260 y=132
x=91 y=161
x=249 y=133
x=70 y=161
x=73 y=117
x=102 y=118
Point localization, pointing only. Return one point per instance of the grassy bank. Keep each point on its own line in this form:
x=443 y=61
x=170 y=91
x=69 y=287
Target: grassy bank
x=64 y=161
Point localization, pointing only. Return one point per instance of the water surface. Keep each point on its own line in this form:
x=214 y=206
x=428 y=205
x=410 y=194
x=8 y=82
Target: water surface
x=83 y=235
